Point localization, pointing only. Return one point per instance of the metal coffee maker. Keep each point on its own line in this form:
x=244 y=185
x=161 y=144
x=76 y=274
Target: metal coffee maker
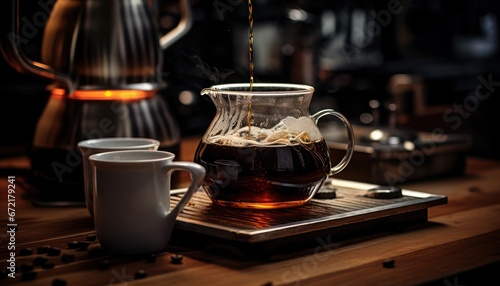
x=104 y=59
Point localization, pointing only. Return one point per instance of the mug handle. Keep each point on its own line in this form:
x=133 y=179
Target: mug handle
x=197 y=173
x=350 y=138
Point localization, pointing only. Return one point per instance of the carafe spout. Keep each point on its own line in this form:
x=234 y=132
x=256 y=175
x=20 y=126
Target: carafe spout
x=206 y=91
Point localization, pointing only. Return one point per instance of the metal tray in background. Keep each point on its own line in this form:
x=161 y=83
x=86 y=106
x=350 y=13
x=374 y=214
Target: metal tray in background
x=427 y=156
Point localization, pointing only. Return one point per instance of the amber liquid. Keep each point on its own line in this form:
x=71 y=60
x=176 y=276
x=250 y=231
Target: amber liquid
x=273 y=176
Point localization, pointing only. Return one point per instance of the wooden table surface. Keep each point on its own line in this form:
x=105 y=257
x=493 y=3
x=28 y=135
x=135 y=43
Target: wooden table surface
x=459 y=245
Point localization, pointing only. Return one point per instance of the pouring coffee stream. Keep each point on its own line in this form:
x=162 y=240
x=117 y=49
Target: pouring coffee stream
x=263 y=149
x=250 y=60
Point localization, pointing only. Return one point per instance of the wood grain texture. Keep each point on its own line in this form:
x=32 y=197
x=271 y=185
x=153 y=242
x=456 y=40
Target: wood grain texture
x=459 y=236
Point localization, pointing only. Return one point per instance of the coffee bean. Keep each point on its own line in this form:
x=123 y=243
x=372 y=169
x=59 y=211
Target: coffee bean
x=43 y=249
x=151 y=258
x=73 y=244
x=83 y=245
x=140 y=274
x=25 y=251
x=59 y=282
x=176 y=258
x=26 y=267
x=474 y=189
x=67 y=257
x=48 y=265
x=95 y=252
x=104 y=264
x=3 y=273
x=91 y=237
x=40 y=260
x=388 y=263
x=28 y=276
x=54 y=251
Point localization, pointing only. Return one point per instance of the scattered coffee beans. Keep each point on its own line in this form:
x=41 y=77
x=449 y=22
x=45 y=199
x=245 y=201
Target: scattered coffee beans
x=176 y=258
x=67 y=257
x=91 y=237
x=83 y=245
x=3 y=273
x=43 y=249
x=48 y=265
x=95 y=252
x=59 y=282
x=28 y=276
x=140 y=274
x=40 y=260
x=73 y=244
x=104 y=264
x=53 y=251
x=26 y=267
x=25 y=251
x=151 y=258
x=388 y=263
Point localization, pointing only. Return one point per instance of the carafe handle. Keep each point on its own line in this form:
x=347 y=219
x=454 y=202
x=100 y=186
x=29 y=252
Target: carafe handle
x=350 y=138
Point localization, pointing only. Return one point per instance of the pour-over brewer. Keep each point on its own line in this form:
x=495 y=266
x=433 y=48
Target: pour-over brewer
x=105 y=61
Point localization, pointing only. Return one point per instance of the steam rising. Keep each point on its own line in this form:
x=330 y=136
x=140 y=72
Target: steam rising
x=193 y=70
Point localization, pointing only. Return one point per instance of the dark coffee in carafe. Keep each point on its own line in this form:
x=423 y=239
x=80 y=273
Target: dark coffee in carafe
x=264 y=176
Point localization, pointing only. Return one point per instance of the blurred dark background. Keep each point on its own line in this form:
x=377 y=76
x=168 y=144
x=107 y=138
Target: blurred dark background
x=437 y=60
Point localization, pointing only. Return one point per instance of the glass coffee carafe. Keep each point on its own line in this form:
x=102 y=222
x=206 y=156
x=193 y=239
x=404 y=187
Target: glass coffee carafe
x=263 y=149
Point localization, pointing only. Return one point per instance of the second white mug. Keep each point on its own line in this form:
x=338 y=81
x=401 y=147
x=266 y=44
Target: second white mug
x=99 y=145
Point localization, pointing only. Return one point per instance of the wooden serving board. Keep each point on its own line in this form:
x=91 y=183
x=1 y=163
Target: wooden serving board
x=350 y=213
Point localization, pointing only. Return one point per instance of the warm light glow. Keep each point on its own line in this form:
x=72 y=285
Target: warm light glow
x=376 y=135
x=408 y=145
x=187 y=97
x=58 y=92
x=106 y=94
x=111 y=94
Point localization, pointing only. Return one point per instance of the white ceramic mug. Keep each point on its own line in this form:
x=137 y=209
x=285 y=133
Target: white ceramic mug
x=132 y=212
x=99 y=145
